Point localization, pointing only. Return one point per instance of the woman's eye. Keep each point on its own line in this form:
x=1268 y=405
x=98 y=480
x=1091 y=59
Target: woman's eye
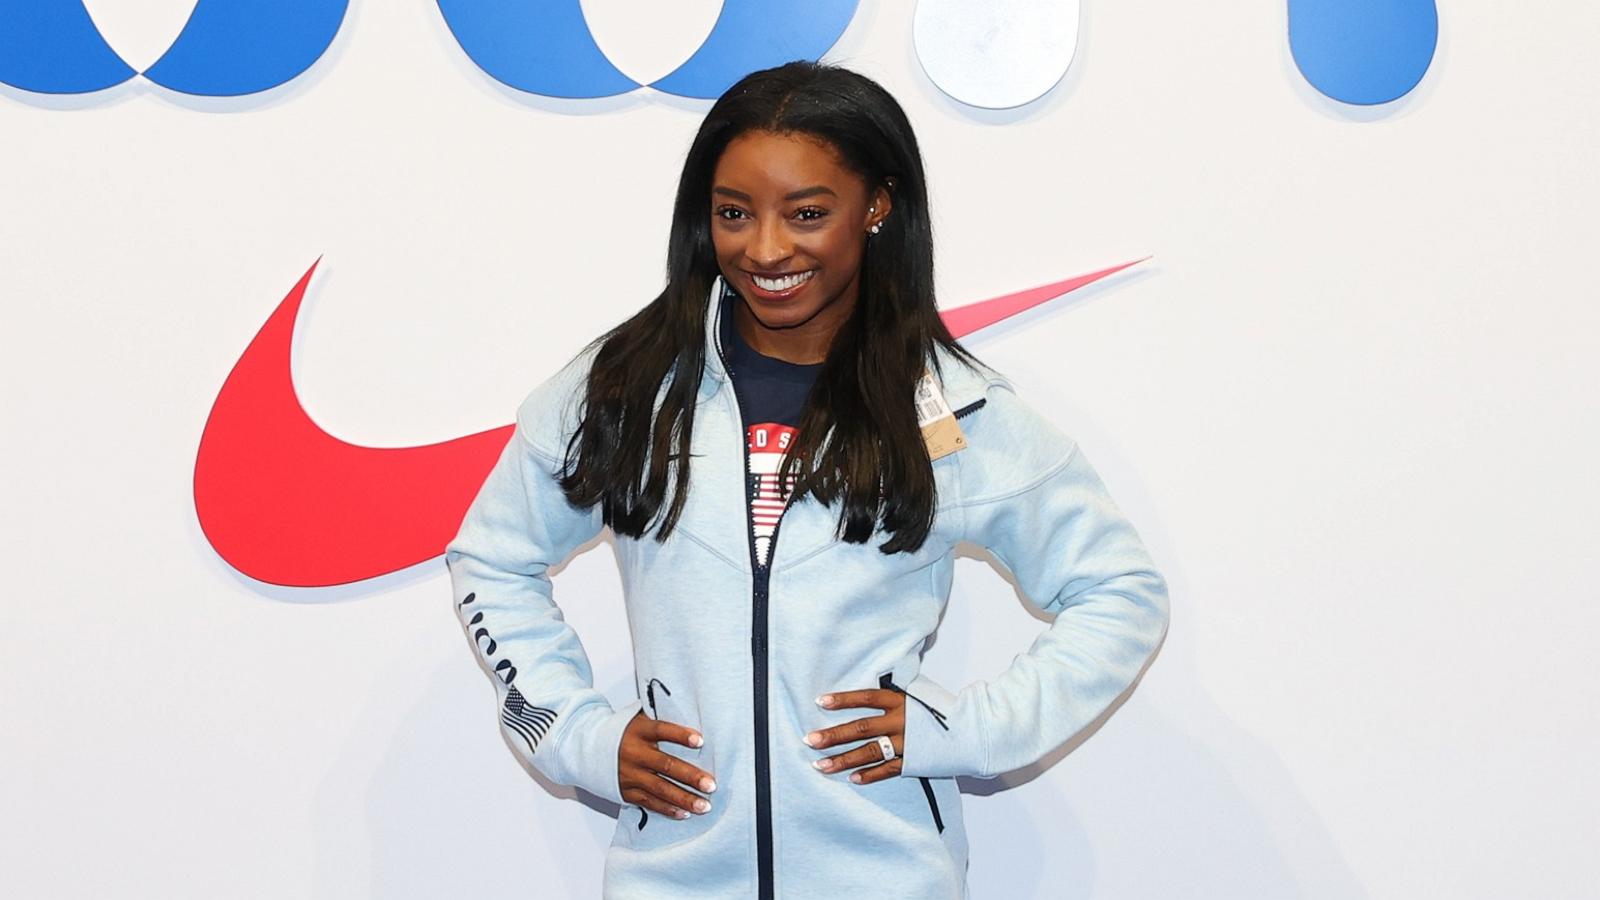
x=805 y=214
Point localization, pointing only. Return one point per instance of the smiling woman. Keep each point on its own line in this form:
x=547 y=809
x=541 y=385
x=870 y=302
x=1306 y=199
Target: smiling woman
x=788 y=222
x=796 y=357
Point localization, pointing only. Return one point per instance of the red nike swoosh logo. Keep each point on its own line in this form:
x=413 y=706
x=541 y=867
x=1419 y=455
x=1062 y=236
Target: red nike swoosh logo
x=285 y=502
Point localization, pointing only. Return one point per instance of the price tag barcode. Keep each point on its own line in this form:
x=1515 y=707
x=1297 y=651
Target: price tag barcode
x=940 y=430
x=931 y=405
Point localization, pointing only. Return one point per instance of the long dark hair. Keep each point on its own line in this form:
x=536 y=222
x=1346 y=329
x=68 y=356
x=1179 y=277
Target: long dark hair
x=858 y=434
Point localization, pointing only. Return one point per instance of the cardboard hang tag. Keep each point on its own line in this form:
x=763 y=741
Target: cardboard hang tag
x=940 y=430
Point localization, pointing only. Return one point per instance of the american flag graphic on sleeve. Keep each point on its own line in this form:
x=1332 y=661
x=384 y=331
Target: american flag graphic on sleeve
x=527 y=720
x=768 y=441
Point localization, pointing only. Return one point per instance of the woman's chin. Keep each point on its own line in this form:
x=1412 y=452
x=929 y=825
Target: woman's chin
x=780 y=315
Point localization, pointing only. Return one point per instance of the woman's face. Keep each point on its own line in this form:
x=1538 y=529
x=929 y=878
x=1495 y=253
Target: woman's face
x=789 y=222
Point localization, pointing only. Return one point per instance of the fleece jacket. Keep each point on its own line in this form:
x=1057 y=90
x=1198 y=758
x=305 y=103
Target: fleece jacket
x=740 y=651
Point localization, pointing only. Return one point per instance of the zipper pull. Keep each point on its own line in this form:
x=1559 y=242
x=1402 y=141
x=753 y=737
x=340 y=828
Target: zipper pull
x=884 y=681
x=650 y=694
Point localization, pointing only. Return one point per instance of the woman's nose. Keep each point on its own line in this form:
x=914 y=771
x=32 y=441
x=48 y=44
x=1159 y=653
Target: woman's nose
x=769 y=246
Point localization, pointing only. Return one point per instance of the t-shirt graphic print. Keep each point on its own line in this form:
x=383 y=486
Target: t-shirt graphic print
x=768 y=441
x=772 y=393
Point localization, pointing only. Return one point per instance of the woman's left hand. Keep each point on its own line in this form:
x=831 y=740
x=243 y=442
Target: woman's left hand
x=892 y=723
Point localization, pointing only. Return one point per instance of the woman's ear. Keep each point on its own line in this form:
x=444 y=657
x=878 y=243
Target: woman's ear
x=879 y=204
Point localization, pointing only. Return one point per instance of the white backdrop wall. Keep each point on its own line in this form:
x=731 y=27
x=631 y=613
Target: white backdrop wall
x=1350 y=405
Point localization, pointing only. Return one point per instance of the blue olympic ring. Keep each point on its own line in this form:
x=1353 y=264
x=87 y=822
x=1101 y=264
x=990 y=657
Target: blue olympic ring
x=226 y=49
x=545 y=47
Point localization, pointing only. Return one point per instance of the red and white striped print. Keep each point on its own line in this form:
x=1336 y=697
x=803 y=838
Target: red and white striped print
x=768 y=441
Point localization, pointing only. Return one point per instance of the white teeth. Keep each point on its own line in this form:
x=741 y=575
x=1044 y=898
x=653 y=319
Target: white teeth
x=784 y=283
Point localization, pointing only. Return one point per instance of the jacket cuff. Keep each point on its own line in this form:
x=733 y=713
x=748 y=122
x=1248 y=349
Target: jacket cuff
x=941 y=748
x=585 y=753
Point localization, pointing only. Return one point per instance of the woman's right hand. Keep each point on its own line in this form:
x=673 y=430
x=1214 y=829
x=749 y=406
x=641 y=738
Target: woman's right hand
x=643 y=769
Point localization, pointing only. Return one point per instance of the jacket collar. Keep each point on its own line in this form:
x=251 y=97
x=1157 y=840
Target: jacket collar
x=960 y=384
x=714 y=369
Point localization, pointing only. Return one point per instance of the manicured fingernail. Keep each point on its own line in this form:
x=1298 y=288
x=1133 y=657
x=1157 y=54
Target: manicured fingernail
x=696 y=740
x=822 y=765
x=681 y=814
x=825 y=700
x=856 y=777
x=813 y=738
x=707 y=785
x=701 y=806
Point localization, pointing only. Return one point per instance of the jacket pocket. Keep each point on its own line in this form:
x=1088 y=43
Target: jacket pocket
x=886 y=680
x=933 y=803
x=658 y=706
x=641 y=830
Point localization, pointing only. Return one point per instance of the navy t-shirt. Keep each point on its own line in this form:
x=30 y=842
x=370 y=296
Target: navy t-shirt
x=771 y=394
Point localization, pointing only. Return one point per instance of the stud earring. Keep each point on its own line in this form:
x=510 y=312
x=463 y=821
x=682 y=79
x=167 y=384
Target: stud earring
x=875 y=227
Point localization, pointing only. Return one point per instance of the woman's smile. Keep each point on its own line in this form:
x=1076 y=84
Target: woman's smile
x=780 y=287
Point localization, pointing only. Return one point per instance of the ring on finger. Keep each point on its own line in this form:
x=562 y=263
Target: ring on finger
x=886 y=747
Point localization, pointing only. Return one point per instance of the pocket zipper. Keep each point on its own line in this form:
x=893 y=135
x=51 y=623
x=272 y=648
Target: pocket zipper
x=885 y=680
x=650 y=694
x=650 y=698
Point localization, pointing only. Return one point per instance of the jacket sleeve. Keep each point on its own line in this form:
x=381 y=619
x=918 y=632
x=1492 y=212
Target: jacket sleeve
x=1051 y=522
x=516 y=528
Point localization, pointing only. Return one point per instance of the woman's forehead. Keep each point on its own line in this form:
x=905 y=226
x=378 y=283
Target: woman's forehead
x=767 y=161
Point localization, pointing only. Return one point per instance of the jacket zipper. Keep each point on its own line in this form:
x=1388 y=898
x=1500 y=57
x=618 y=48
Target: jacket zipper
x=650 y=697
x=884 y=680
x=760 y=579
x=760 y=582
x=971 y=406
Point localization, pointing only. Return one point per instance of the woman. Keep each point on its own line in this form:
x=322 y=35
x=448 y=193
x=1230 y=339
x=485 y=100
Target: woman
x=785 y=743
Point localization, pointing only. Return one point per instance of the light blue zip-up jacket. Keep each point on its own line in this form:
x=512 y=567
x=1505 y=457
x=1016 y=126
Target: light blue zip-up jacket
x=714 y=651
